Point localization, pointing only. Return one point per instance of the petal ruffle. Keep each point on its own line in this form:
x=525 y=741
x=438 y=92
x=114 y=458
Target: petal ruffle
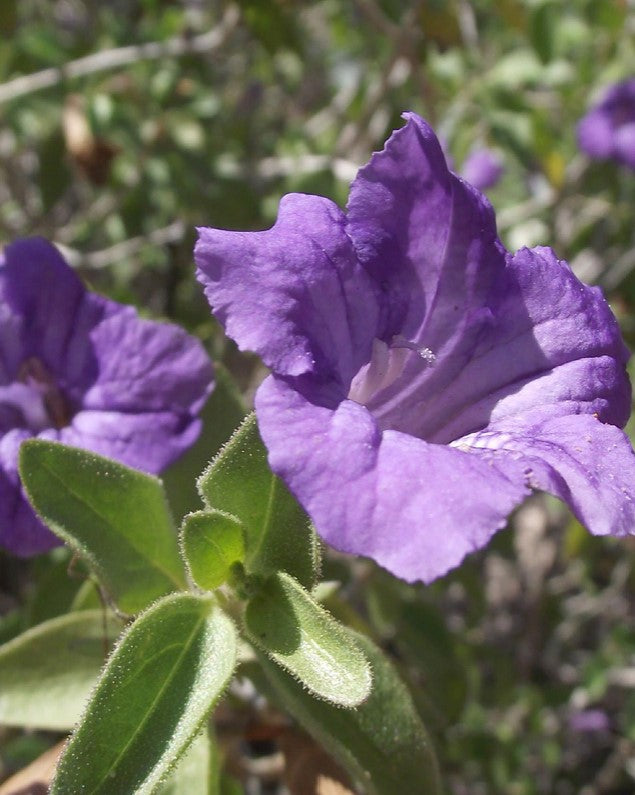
x=430 y=238
x=586 y=463
x=146 y=366
x=415 y=508
x=295 y=293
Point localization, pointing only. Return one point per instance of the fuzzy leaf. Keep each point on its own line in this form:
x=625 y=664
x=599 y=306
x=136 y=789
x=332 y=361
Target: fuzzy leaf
x=212 y=541
x=169 y=668
x=222 y=413
x=197 y=772
x=278 y=532
x=115 y=517
x=48 y=672
x=382 y=744
x=284 y=621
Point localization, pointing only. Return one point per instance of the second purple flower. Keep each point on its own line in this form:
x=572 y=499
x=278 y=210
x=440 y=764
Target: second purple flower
x=608 y=129
x=83 y=370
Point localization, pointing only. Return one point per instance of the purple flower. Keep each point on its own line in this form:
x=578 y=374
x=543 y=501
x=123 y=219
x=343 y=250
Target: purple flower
x=83 y=370
x=424 y=380
x=589 y=720
x=482 y=168
x=608 y=130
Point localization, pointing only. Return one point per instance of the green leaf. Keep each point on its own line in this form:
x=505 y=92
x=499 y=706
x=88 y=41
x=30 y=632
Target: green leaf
x=115 y=517
x=88 y=596
x=422 y=636
x=156 y=690
x=278 y=532
x=47 y=673
x=197 y=772
x=284 y=621
x=542 y=26
x=212 y=541
x=417 y=630
x=382 y=744
x=54 y=171
x=53 y=588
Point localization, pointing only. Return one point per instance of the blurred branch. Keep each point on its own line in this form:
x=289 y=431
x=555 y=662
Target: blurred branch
x=359 y=135
x=121 y=56
x=96 y=213
x=333 y=114
x=375 y=15
x=127 y=248
x=619 y=270
x=517 y=213
x=467 y=24
x=270 y=167
x=289 y=165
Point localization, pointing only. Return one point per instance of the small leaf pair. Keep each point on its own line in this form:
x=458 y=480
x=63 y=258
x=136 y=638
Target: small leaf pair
x=250 y=518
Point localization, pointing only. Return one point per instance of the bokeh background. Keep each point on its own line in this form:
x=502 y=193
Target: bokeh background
x=124 y=125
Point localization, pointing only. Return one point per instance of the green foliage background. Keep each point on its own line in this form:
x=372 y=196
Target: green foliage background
x=117 y=161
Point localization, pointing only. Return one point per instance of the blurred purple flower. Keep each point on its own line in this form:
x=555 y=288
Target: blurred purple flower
x=608 y=130
x=589 y=720
x=80 y=369
x=424 y=380
x=482 y=168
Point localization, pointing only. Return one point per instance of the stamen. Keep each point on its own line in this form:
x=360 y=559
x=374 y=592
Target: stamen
x=385 y=366
x=35 y=375
x=425 y=353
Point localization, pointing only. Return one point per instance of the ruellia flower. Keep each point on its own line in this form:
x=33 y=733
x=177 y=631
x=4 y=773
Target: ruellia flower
x=78 y=368
x=423 y=380
x=608 y=129
x=482 y=168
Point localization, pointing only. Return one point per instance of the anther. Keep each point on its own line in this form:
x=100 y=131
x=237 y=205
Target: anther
x=425 y=353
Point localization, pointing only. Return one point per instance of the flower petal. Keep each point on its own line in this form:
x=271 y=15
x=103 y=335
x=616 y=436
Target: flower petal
x=485 y=370
x=46 y=295
x=562 y=355
x=294 y=293
x=430 y=238
x=130 y=388
x=423 y=234
x=608 y=129
x=586 y=463
x=149 y=441
x=146 y=366
x=595 y=134
x=21 y=531
x=415 y=508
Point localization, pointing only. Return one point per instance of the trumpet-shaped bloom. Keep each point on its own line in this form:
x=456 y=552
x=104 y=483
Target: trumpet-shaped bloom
x=78 y=368
x=424 y=380
x=607 y=132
